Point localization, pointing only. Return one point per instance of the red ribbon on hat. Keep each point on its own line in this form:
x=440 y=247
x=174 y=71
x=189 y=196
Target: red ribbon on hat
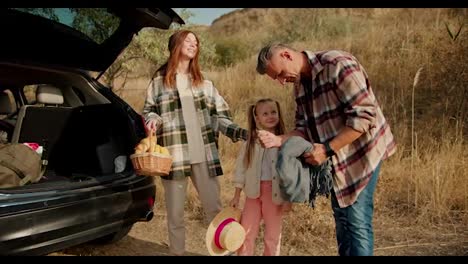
x=219 y=229
x=33 y=146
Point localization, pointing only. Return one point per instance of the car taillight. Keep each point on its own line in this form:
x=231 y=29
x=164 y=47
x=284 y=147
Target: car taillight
x=150 y=202
x=144 y=124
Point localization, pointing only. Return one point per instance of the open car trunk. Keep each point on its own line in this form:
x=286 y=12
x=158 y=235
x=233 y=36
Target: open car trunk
x=89 y=190
x=83 y=142
x=89 y=137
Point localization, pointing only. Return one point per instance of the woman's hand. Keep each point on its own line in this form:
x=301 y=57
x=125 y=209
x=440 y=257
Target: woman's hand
x=151 y=125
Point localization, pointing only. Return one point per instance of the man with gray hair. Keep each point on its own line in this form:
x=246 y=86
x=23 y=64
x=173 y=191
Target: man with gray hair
x=336 y=110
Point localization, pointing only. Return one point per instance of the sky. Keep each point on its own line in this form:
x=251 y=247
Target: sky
x=204 y=16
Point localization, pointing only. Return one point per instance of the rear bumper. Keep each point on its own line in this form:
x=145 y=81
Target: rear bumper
x=65 y=218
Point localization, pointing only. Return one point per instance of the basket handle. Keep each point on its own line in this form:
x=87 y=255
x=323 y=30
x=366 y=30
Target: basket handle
x=152 y=138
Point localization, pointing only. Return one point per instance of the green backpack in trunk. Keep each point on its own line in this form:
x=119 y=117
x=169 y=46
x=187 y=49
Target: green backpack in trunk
x=19 y=165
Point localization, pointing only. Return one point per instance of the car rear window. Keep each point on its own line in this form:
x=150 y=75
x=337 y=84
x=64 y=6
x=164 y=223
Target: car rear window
x=96 y=23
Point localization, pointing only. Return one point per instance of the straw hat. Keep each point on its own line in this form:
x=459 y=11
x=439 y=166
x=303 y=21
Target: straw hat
x=225 y=234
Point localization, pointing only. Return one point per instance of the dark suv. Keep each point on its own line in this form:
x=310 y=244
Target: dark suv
x=48 y=96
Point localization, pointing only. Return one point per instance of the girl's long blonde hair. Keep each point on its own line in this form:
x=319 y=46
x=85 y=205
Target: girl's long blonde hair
x=169 y=69
x=252 y=126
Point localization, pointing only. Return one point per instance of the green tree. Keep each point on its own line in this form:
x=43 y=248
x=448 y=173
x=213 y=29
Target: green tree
x=96 y=23
x=149 y=44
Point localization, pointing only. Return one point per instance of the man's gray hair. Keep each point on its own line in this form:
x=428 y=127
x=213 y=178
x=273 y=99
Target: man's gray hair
x=265 y=55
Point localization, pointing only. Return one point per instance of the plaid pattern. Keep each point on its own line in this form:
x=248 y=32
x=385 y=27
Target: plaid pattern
x=338 y=95
x=163 y=104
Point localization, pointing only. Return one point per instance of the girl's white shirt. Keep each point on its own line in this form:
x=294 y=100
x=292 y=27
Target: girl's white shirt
x=248 y=179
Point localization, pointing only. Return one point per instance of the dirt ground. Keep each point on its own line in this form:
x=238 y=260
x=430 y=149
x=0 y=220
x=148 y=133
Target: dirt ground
x=392 y=238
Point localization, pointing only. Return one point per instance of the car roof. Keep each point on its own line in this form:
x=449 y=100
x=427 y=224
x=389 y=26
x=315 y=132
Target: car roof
x=81 y=38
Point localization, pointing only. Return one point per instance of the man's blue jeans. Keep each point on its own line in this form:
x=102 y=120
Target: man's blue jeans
x=354 y=232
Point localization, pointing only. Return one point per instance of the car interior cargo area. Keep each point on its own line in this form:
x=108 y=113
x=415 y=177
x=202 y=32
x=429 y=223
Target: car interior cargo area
x=81 y=142
x=78 y=141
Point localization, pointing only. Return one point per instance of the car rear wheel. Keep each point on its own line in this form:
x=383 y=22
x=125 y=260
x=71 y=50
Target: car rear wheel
x=113 y=237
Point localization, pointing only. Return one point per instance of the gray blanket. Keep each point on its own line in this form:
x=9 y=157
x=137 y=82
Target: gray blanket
x=299 y=181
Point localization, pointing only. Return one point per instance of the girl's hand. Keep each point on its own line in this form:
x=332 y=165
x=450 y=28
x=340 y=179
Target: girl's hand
x=234 y=202
x=287 y=207
x=268 y=139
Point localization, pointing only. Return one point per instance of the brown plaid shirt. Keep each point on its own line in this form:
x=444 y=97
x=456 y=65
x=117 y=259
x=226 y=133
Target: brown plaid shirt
x=339 y=94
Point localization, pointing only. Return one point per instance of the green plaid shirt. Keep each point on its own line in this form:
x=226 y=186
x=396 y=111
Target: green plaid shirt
x=163 y=104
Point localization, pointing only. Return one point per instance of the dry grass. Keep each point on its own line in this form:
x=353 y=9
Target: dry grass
x=421 y=199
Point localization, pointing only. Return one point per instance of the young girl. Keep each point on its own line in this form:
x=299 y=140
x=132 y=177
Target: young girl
x=255 y=173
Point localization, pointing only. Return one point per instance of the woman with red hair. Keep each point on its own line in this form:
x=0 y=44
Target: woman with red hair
x=187 y=112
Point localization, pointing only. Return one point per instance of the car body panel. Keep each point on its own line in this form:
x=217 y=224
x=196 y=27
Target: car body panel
x=41 y=220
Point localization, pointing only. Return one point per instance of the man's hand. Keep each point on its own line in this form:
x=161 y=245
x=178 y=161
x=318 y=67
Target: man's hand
x=268 y=139
x=317 y=156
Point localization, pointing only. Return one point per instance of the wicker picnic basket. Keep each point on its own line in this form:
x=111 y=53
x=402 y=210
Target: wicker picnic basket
x=151 y=163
